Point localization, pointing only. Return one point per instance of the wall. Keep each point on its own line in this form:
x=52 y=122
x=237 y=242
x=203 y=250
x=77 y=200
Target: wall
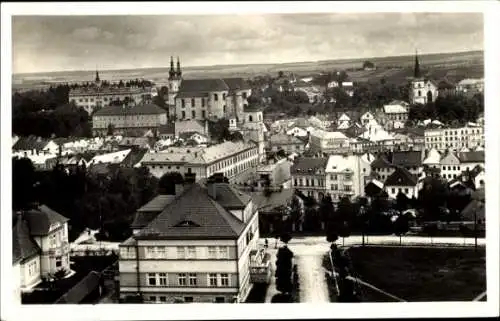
x=27 y=279
x=409 y=191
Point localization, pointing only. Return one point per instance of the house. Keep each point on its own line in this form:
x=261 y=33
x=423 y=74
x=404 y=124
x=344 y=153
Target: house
x=40 y=245
x=396 y=114
x=374 y=187
x=345 y=176
x=167 y=131
x=401 y=180
x=470 y=86
x=343 y=122
x=382 y=167
x=297 y=131
x=471 y=159
x=326 y=142
x=110 y=158
x=433 y=159
x=309 y=176
x=197 y=138
x=32 y=146
x=201 y=248
x=366 y=117
x=289 y=144
x=275 y=174
x=411 y=160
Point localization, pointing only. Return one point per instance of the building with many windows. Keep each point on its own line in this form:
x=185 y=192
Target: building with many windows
x=455 y=139
x=97 y=96
x=401 y=181
x=235 y=160
x=40 y=246
x=200 y=99
x=309 y=176
x=200 y=248
x=130 y=121
x=346 y=175
x=328 y=142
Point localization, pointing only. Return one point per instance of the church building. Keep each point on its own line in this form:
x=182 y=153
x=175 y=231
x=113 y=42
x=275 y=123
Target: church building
x=422 y=90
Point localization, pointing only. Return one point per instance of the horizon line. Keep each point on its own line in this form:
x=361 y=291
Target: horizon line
x=249 y=64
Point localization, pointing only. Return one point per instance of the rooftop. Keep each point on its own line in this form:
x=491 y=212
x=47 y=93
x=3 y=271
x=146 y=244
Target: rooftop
x=147 y=109
x=304 y=165
x=401 y=177
x=407 y=158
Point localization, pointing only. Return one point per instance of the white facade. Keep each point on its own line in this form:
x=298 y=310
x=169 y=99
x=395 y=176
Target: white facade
x=95 y=97
x=423 y=91
x=328 y=141
x=55 y=249
x=454 y=138
x=297 y=131
x=409 y=191
x=345 y=176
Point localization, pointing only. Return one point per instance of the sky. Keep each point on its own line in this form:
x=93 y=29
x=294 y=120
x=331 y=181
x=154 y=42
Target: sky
x=60 y=43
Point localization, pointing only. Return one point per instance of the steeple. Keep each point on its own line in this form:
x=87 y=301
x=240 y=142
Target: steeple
x=97 y=79
x=416 y=72
x=179 y=72
x=171 y=72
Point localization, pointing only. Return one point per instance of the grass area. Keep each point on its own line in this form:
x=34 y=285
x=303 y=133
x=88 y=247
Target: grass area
x=421 y=274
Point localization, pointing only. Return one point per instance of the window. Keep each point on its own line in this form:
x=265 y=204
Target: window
x=182 y=279
x=216 y=97
x=193 y=114
x=152 y=298
x=183 y=114
x=192 y=102
x=152 y=279
x=193 y=280
x=212 y=252
x=58 y=262
x=393 y=190
x=203 y=102
x=162 y=279
x=244 y=95
x=203 y=114
x=347 y=188
x=224 y=279
x=333 y=177
x=188 y=299
x=348 y=176
x=183 y=103
x=406 y=191
x=250 y=118
x=181 y=252
x=163 y=299
x=223 y=252
x=191 y=252
x=212 y=279
x=219 y=299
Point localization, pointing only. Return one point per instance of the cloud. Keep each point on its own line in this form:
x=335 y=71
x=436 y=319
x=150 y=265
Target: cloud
x=76 y=42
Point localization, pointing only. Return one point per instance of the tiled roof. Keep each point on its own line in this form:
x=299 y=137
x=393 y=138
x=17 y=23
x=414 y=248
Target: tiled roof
x=30 y=143
x=203 y=85
x=191 y=94
x=407 y=158
x=23 y=246
x=381 y=162
x=401 y=177
x=82 y=289
x=237 y=83
x=262 y=202
x=282 y=139
x=134 y=157
x=147 y=109
x=40 y=219
x=229 y=197
x=309 y=164
x=206 y=217
x=157 y=204
x=219 y=151
x=471 y=157
x=169 y=128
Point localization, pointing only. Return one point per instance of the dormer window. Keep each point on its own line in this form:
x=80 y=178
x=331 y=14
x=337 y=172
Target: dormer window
x=187 y=223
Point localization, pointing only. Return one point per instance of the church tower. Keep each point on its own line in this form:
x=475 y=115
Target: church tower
x=174 y=83
x=417 y=90
x=97 y=78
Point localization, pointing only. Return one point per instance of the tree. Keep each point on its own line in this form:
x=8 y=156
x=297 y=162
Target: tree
x=368 y=65
x=284 y=270
x=401 y=226
x=296 y=213
x=167 y=182
x=432 y=197
x=280 y=74
x=402 y=201
x=326 y=210
x=23 y=183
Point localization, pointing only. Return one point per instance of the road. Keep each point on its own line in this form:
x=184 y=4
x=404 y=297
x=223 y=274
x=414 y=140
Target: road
x=309 y=252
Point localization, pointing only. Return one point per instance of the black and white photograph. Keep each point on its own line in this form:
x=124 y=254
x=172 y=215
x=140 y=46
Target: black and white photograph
x=158 y=157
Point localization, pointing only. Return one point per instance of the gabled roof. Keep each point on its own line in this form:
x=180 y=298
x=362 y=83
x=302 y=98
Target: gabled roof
x=471 y=157
x=150 y=210
x=30 y=143
x=23 y=246
x=450 y=158
x=381 y=162
x=401 y=177
x=305 y=165
x=169 y=128
x=236 y=83
x=134 y=157
x=147 y=109
x=40 y=219
x=282 y=139
x=229 y=197
x=407 y=158
x=209 y=219
x=203 y=85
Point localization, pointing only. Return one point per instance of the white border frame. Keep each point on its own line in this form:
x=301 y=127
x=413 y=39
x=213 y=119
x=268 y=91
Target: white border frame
x=10 y=310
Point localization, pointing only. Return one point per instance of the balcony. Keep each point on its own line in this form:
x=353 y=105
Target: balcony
x=260 y=266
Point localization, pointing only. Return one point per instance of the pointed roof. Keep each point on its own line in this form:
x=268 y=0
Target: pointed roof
x=23 y=246
x=193 y=215
x=41 y=219
x=416 y=71
x=381 y=162
x=401 y=177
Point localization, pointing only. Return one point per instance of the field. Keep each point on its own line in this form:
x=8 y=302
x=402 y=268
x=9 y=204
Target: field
x=421 y=274
x=393 y=69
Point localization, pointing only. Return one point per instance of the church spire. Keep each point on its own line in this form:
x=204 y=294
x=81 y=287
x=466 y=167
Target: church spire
x=416 y=72
x=171 y=72
x=97 y=79
x=179 y=72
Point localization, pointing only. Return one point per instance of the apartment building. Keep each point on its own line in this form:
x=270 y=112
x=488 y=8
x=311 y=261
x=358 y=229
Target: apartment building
x=328 y=142
x=452 y=165
x=345 y=176
x=235 y=160
x=396 y=114
x=201 y=248
x=309 y=176
x=454 y=138
x=128 y=120
x=40 y=246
